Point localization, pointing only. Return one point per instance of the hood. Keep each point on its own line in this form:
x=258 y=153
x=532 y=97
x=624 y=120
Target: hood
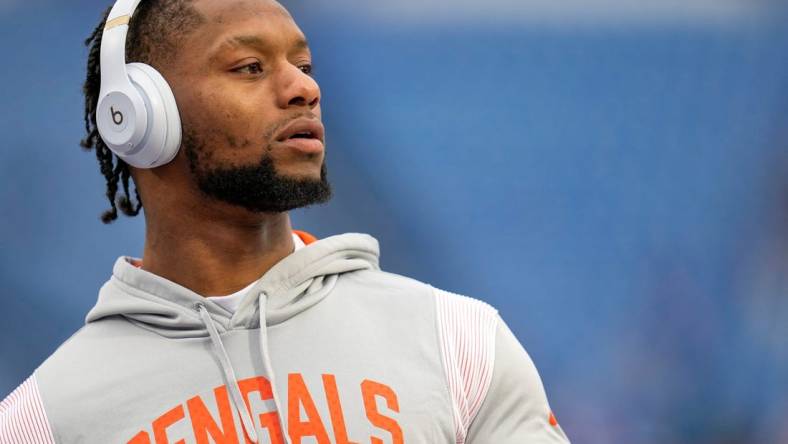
x=296 y=283
x=292 y=286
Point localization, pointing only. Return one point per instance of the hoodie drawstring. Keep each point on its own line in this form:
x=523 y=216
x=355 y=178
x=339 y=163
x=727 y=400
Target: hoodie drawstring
x=267 y=367
x=229 y=375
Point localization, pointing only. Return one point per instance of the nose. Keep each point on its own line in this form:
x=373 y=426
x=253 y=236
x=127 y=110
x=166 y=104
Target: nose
x=298 y=89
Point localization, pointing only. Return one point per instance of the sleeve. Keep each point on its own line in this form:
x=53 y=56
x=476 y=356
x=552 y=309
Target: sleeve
x=22 y=416
x=515 y=409
x=496 y=392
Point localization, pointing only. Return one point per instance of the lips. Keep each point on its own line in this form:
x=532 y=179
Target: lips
x=303 y=129
x=304 y=135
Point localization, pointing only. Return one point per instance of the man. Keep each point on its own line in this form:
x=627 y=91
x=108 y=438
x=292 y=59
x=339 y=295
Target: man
x=233 y=328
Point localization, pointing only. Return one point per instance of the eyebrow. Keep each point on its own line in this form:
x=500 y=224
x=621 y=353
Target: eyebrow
x=255 y=41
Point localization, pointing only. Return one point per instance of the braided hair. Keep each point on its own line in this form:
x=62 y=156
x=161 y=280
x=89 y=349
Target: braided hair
x=155 y=33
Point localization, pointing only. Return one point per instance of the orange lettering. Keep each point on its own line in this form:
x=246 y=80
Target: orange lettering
x=140 y=438
x=270 y=420
x=203 y=423
x=335 y=409
x=161 y=424
x=371 y=389
x=298 y=395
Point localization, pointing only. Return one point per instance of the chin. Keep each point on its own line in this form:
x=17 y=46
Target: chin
x=300 y=171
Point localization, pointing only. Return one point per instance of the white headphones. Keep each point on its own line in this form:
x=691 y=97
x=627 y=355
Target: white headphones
x=137 y=116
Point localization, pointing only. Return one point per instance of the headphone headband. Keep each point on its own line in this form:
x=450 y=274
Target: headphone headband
x=113 y=42
x=121 y=8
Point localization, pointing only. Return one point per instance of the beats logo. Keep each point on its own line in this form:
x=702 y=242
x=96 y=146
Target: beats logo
x=117 y=116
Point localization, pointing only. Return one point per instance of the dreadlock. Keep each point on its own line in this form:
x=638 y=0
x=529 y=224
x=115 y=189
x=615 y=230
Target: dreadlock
x=152 y=39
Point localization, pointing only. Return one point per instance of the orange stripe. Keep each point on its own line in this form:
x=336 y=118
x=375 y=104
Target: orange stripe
x=306 y=237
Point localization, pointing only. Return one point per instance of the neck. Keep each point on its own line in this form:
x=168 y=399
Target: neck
x=215 y=256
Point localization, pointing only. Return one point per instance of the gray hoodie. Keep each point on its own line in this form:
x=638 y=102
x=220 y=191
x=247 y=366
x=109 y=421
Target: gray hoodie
x=325 y=348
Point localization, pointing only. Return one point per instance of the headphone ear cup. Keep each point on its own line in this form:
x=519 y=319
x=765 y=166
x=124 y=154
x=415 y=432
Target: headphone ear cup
x=163 y=136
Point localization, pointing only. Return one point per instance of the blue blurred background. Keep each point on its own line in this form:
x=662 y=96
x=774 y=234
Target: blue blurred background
x=612 y=175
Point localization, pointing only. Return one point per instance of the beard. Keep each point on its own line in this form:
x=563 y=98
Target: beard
x=256 y=187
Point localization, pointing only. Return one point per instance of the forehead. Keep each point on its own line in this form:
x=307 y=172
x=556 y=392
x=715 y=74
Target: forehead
x=226 y=19
x=231 y=11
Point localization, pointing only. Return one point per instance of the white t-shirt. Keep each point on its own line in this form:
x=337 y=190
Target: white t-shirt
x=232 y=301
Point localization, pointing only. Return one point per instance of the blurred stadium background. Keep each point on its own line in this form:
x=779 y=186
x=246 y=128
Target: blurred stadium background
x=612 y=175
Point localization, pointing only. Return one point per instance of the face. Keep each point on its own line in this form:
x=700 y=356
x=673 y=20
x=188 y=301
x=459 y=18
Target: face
x=250 y=109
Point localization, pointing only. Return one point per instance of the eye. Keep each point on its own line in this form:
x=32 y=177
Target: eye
x=252 y=68
x=306 y=69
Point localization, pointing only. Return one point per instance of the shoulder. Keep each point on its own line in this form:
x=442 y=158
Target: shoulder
x=88 y=347
x=23 y=417
x=467 y=331
x=94 y=355
x=463 y=330
x=458 y=317
x=378 y=282
x=462 y=314
x=385 y=295
x=25 y=414
x=456 y=314
x=376 y=279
